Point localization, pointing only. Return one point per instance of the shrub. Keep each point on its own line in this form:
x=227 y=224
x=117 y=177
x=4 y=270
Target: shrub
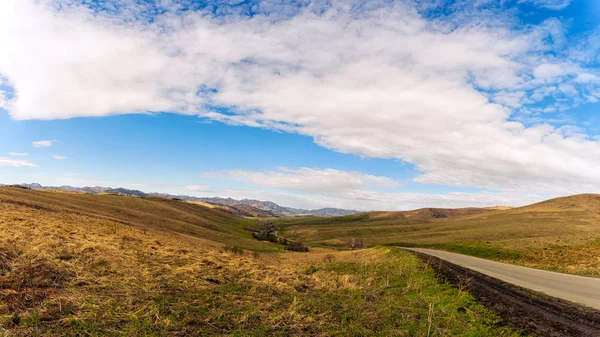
x=356 y=243
x=296 y=247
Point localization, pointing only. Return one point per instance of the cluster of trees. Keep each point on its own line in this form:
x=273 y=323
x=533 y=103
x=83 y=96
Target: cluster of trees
x=296 y=246
x=266 y=231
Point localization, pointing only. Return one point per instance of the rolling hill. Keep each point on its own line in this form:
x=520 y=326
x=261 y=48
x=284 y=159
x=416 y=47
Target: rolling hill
x=148 y=212
x=245 y=207
x=239 y=210
x=74 y=264
x=558 y=234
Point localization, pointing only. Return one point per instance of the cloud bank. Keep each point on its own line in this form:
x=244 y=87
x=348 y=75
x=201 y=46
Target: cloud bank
x=318 y=188
x=326 y=182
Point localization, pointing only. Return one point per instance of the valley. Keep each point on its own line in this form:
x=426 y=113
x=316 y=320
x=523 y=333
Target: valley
x=95 y=265
x=561 y=234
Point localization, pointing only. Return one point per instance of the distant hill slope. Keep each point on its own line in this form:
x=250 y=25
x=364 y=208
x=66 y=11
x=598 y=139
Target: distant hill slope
x=425 y=214
x=245 y=207
x=574 y=219
x=147 y=212
x=574 y=203
x=239 y=210
x=277 y=209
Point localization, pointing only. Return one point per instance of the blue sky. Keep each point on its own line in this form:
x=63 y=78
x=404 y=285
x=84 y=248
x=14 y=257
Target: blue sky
x=353 y=104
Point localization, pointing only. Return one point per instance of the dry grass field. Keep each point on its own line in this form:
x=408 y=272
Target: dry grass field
x=82 y=265
x=561 y=234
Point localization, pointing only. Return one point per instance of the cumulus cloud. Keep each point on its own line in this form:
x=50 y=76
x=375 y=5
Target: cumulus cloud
x=5 y=161
x=57 y=157
x=383 y=81
x=43 y=143
x=18 y=154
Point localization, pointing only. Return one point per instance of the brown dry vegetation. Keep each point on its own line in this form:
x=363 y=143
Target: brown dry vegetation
x=559 y=234
x=120 y=266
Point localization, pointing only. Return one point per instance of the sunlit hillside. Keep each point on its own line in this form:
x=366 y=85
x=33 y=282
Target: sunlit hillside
x=560 y=234
x=83 y=265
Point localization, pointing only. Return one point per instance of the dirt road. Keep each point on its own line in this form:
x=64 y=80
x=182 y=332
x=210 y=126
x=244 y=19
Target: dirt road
x=578 y=289
x=507 y=289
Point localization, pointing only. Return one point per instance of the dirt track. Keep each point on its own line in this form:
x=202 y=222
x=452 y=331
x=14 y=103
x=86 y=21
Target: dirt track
x=537 y=314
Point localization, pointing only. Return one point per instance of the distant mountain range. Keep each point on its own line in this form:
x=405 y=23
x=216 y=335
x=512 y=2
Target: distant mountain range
x=266 y=206
x=277 y=209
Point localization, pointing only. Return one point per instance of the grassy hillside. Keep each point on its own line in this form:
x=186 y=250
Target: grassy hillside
x=239 y=210
x=80 y=265
x=559 y=234
x=373 y=227
x=146 y=213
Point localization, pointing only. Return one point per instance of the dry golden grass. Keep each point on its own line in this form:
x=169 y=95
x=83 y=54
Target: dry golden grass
x=145 y=213
x=59 y=266
x=201 y=203
x=499 y=208
x=559 y=234
x=65 y=271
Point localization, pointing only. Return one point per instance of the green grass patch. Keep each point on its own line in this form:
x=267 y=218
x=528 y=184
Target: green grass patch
x=479 y=250
x=476 y=249
x=394 y=294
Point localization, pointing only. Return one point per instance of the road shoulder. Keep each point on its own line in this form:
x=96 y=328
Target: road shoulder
x=535 y=313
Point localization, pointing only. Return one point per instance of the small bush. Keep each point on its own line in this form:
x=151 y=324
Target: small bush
x=265 y=236
x=356 y=243
x=296 y=247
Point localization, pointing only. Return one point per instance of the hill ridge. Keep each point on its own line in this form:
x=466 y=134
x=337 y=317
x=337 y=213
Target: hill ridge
x=267 y=206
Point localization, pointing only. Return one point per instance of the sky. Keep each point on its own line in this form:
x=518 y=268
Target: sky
x=366 y=105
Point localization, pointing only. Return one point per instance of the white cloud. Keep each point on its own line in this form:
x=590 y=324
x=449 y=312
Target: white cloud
x=43 y=143
x=3 y=100
x=327 y=182
x=198 y=188
x=568 y=89
x=384 y=83
x=4 y=161
x=549 y=4
x=288 y=190
x=513 y=99
x=550 y=72
x=18 y=154
x=57 y=157
x=587 y=78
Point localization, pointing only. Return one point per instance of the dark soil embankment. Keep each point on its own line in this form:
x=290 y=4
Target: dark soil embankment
x=535 y=313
